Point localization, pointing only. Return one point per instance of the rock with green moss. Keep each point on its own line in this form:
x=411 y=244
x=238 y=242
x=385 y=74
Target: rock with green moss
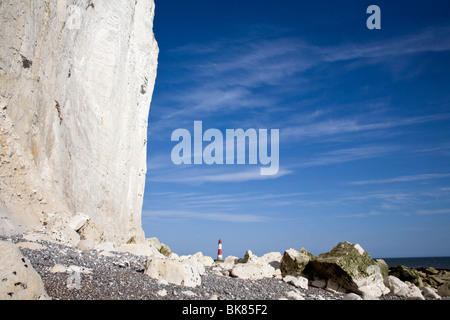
x=407 y=274
x=351 y=267
x=161 y=247
x=444 y=290
x=294 y=262
x=384 y=268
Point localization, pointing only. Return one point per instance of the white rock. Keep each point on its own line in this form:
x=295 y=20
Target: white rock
x=414 y=293
x=277 y=274
x=173 y=256
x=163 y=269
x=252 y=271
x=86 y=244
x=105 y=246
x=162 y=293
x=373 y=291
x=272 y=258
x=428 y=292
x=207 y=261
x=172 y=271
x=107 y=254
x=78 y=221
x=19 y=280
x=402 y=289
x=189 y=293
x=219 y=271
x=359 y=248
x=372 y=287
x=295 y=295
x=9 y=225
x=90 y=231
x=299 y=282
x=58 y=268
x=289 y=279
x=229 y=262
x=196 y=261
x=351 y=296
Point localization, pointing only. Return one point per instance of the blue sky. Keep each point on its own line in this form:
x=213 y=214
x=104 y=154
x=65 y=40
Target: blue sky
x=364 y=118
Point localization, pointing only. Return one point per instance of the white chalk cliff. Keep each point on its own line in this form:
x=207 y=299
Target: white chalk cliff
x=76 y=82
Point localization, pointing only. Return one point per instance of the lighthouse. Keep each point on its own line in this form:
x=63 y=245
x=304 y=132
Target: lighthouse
x=219 y=253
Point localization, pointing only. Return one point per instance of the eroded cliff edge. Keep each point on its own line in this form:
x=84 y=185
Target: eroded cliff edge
x=76 y=82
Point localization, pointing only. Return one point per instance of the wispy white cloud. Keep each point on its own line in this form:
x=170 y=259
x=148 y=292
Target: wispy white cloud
x=431 y=40
x=212 y=216
x=196 y=175
x=359 y=215
x=347 y=155
x=410 y=178
x=245 y=175
x=207 y=100
x=254 y=61
x=251 y=62
x=238 y=199
x=227 y=75
x=443 y=149
x=433 y=212
x=390 y=196
x=335 y=127
x=221 y=76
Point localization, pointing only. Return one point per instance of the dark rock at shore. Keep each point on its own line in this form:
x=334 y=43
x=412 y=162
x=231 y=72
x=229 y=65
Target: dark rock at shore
x=346 y=264
x=407 y=274
x=421 y=276
x=294 y=262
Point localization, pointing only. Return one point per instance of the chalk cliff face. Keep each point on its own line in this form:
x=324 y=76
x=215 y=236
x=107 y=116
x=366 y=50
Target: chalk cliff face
x=76 y=81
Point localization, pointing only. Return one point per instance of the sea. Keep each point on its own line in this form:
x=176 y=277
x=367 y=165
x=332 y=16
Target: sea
x=424 y=262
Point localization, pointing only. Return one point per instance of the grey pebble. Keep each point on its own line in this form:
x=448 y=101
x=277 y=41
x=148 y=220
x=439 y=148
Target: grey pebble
x=121 y=277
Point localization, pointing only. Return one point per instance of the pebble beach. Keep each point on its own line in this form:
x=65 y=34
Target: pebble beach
x=69 y=273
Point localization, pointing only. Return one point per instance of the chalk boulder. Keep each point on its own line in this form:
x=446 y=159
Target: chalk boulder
x=19 y=280
x=173 y=271
x=403 y=289
x=299 y=282
x=252 y=271
x=294 y=262
x=431 y=293
x=352 y=268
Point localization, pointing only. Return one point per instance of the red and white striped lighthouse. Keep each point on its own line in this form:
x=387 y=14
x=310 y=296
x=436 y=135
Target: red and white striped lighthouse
x=219 y=254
